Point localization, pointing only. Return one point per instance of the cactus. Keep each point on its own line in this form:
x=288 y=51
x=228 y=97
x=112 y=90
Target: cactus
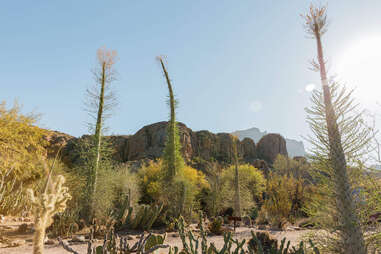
x=143 y=219
x=115 y=244
x=234 y=246
x=154 y=240
x=261 y=243
x=45 y=206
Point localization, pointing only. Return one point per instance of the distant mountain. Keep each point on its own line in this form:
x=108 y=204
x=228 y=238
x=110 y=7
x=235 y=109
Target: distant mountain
x=294 y=147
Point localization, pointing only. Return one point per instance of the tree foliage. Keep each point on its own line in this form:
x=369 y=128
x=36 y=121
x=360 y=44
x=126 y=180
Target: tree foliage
x=154 y=188
x=251 y=186
x=22 y=144
x=22 y=147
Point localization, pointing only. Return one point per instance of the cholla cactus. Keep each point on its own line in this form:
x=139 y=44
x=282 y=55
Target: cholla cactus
x=45 y=206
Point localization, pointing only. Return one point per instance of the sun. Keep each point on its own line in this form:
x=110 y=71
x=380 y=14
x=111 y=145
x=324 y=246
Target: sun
x=359 y=67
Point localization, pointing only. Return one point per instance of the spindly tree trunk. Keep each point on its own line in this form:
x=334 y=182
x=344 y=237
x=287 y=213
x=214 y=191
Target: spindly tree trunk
x=352 y=236
x=101 y=100
x=237 y=196
x=98 y=135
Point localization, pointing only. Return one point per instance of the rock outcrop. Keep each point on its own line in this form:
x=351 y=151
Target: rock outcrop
x=270 y=145
x=198 y=147
x=56 y=142
x=149 y=142
x=294 y=147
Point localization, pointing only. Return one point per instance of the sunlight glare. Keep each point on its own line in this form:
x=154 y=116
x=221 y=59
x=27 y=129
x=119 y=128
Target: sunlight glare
x=359 y=68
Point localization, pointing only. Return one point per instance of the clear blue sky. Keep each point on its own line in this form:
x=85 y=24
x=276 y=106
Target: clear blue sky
x=234 y=64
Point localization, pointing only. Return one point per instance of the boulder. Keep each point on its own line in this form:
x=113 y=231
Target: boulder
x=248 y=150
x=56 y=142
x=270 y=145
x=149 y=142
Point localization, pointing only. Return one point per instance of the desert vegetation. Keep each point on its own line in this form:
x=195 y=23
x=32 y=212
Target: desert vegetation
x=80 y=188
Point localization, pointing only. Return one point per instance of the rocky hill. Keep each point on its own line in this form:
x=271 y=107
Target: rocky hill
x=294 y=147
x=198 y=147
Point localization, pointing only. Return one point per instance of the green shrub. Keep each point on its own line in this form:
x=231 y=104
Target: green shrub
x=216 y=226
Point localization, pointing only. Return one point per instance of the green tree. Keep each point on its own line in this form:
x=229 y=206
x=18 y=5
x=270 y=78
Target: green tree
x=22 y=148
x=251 y=183
x=331 y=137
x=213 y=199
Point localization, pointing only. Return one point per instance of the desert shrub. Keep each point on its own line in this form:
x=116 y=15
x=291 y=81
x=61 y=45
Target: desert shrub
x=155 y=190
x=115 y=184
x=278 y=204
x=215 y=226
x=251 y=184
x=289 y=191
x=150 y=182
x=21 y=148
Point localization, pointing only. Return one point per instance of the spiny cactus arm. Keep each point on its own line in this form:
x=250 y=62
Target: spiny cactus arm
x=156 y=247
x=259 y=245
x=176 y=250
x=137 y=244
x=288 y=246
x=66 y=246
x=204 y=241
x=156 y=212
x=314 y=248
x=180 y=226
x=227 y=244
x=239 y=247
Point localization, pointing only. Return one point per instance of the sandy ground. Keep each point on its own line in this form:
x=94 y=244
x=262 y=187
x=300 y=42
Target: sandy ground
x=7 y=230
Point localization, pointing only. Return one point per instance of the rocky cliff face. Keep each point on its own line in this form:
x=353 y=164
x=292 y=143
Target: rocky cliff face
x=270 y=145
x=294 y=147
x=198 y=147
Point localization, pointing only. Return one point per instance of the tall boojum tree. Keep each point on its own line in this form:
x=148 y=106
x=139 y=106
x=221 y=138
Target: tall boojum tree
x=101 y=100
x=172 y=158
x=351 y=233
x=237 y=196
x=173 y=162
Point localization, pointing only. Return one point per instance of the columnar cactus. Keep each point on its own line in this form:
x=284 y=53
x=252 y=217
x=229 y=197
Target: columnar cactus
x=45 y=205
